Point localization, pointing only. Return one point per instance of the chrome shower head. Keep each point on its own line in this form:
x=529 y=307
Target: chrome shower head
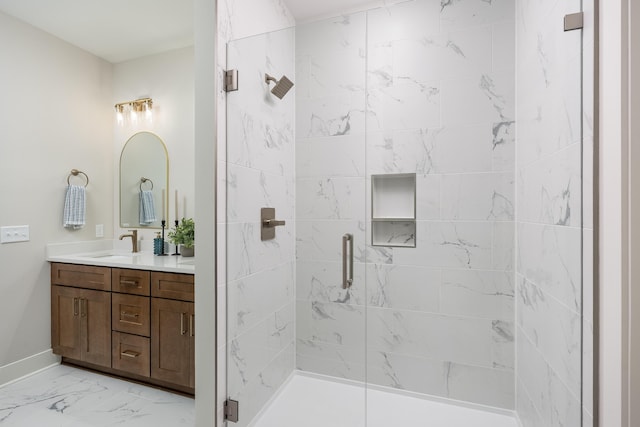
x=282 y=86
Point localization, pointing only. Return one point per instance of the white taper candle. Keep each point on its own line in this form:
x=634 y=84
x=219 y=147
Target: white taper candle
x=176 y=217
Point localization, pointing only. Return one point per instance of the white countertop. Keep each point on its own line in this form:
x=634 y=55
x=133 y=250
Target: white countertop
x=107 y=254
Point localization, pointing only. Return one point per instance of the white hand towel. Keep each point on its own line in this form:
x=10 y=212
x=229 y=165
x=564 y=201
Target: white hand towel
x=147 y=208
x=74 y=215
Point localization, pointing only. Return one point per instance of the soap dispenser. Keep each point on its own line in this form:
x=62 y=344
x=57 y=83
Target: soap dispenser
x=157 y=244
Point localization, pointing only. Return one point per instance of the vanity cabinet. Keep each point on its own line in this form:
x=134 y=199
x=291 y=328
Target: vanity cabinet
x=79 y=314
x=133 y=323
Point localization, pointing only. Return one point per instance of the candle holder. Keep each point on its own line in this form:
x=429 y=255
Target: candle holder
x=176 y=252
x=164 y=225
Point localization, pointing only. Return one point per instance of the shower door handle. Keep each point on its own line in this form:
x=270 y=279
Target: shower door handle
x=347 y=261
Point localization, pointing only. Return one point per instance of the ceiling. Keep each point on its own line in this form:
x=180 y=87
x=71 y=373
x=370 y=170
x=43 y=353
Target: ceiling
x=115 y=30
x=119 y=30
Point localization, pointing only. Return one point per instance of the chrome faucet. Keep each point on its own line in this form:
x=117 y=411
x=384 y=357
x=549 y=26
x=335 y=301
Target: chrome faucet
x=134 y=239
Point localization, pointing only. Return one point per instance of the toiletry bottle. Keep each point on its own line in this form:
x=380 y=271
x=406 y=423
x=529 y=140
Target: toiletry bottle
x=157 y=244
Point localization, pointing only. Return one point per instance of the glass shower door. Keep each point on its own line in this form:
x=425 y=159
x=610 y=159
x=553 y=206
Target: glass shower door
x=260 y=167
x=295 y=294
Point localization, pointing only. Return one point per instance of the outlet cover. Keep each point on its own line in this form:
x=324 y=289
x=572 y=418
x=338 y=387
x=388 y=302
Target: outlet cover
x=99 y=230
x=13 y=234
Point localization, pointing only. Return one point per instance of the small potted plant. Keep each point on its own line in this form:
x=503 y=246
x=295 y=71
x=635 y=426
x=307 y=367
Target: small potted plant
x=183 y=234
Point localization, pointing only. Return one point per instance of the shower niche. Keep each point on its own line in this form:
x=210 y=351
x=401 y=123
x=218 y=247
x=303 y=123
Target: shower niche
x=393 y=210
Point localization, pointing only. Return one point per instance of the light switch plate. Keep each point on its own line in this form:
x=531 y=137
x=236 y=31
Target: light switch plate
x=16 y=233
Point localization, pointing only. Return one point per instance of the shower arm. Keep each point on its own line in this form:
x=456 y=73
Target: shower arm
x=268 y=78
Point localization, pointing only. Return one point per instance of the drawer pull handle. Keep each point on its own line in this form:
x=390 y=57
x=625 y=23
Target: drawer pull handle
x=133 y=315
x=129 y=282
x=130 y=353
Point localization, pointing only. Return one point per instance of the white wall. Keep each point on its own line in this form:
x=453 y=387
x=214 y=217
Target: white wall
x=612 y=188
x=168 y=78
x=55 y=115
x=205 y=188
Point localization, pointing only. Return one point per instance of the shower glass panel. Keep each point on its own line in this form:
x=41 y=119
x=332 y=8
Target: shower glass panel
x=260 y=173
x=441 y=106
x=286 y=306
x=424 y=246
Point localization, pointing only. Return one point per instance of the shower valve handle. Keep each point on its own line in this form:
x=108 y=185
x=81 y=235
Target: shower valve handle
x=272 y=223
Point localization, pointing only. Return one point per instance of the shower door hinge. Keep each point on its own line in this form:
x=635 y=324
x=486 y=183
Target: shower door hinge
x=231 y=410
x=230 y=80
x=574 y=21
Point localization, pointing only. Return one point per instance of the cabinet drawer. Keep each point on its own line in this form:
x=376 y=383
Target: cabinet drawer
x=131 y=353
x=130 y=313
x=130 y=281
x=172 y=286
x=81 y=276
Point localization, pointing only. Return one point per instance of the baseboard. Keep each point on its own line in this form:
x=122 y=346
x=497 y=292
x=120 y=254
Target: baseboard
x=27 y=367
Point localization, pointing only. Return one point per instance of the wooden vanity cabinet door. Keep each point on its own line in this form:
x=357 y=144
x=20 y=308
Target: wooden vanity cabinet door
x=171 y=348
x=65 y=322
x=95 y=313
x=81 y=324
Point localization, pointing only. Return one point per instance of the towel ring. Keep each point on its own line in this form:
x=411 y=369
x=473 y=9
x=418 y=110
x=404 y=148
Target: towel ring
x=143 y=180
x=76 y=172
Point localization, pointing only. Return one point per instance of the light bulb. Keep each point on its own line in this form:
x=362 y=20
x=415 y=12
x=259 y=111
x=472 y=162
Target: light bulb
x=134 y=114
x=119 y=115
x=148 y=114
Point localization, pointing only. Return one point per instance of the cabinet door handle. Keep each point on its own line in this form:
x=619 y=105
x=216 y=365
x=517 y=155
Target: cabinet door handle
x=182 y=329
x=192 y=321
x=130 y=353
x=75 y=307
x=83 y=307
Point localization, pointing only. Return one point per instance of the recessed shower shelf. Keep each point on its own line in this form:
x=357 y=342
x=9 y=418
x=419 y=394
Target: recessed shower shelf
x=393 y=209
x=397 y=218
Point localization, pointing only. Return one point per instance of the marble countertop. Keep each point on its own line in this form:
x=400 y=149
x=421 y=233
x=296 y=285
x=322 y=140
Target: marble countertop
x=109 y=254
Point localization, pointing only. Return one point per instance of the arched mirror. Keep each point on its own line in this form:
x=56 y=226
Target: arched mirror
x=144 y=174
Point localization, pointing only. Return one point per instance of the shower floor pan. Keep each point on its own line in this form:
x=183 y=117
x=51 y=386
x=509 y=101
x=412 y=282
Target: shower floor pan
x=317 y=402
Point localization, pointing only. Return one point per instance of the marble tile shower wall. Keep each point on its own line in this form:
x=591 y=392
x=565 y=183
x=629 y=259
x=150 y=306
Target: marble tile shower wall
x=260 y=173
x=550 y=216
x=423 y=87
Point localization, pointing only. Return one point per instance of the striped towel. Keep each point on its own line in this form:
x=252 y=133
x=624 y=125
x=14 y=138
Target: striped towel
x=74 y=215
x=147 y=208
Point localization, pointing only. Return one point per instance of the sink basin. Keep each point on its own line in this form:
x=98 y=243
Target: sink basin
x=113 y=256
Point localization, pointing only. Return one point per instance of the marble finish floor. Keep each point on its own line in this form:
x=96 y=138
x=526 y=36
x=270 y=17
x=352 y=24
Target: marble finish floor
x=343 y=405
x=62 y=396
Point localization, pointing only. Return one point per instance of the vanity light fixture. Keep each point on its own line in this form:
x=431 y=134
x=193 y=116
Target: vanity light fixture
x=134 y=108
